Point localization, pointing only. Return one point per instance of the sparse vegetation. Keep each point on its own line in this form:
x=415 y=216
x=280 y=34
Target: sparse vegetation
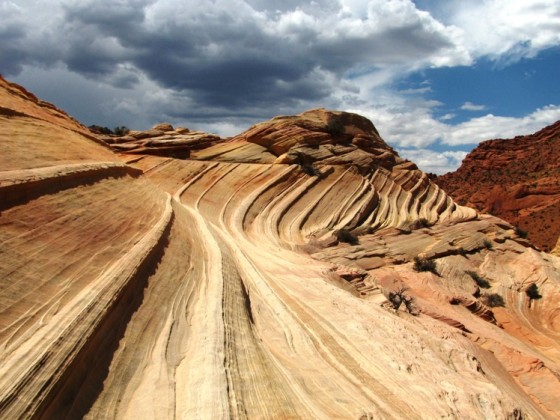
x=423 y=222
x=305 y=162
x=399 y=296
x=493 y=300
x=480 y=281
x=100 y=130
x=424 y=264
x=533 y=292
x=344 y=235
x=520 y=232
x=462 y=251
x=121 y=130
x=335 y=127
x=309 y=169
x=487 y=244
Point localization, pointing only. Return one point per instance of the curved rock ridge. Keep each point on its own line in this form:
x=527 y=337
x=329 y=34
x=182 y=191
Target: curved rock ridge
x=250 y=277
x=516 y=179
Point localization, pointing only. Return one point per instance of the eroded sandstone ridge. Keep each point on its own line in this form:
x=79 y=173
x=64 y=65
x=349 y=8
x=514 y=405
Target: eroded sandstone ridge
x=250 y=279
x=516 y=179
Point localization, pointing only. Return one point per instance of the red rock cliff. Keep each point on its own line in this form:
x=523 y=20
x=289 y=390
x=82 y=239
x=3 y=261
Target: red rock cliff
x=516 y=179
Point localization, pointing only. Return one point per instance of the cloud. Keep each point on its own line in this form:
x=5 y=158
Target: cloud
x=506 y=29
x=226 y=64
x=431 y=161
x=234 y=54
x=448 y=116
x=469 y=106
x=491 y=126
x=417 y=127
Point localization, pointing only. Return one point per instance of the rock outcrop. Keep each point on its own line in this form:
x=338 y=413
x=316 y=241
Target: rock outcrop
x=517 y=180
x=250 y=278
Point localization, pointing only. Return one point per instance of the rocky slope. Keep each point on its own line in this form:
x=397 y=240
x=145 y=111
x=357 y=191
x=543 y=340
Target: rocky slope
x=250 y=280
x=516 y=179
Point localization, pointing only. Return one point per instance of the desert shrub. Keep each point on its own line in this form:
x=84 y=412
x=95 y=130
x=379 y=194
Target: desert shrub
x=399 y=296
x=344 y=235
x=309 y=169
x=335 y=127
x=424 y=264
x=480 y=281
x=494 y=300
x=101 y=130
x=533 y=292
x=423 y=222
x=521 y=233
x=487 y=244
x=121 y=130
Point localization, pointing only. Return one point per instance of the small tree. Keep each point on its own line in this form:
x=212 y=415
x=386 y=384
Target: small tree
x=533 y=292
x=398 y=297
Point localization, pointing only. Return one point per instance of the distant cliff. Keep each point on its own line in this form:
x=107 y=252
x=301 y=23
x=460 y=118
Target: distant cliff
x=516 y=179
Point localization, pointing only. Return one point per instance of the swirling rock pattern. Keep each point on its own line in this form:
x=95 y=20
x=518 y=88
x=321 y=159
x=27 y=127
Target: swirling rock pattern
x=249 y=280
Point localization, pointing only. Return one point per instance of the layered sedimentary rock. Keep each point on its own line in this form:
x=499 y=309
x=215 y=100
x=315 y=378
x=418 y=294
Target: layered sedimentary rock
x=250 y=280
x=515 y=179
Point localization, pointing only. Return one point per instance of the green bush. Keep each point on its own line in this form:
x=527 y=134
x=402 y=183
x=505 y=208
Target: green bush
x=121 y=130
x=424 y=264
x=423 y=223
x=335 y=127
x=480 y=281
x=533 y=292
x=309 y=169
x=344 y=235
x=521 y=233
x=487 y=244
x=494 y=300
x=101 y=130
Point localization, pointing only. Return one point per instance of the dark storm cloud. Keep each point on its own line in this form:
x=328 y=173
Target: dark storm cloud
x=216 y=58
x=11 y=55
x=232 y=56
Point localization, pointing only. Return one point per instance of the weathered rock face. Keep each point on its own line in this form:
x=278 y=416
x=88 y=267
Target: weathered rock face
x=516 y=179
x=250 y=280
x=161 y=140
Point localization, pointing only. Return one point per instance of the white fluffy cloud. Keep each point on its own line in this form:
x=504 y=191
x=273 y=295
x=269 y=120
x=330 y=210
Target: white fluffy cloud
x=491 y=126
x=507 y=28
x=431 y=161
x=469 y=106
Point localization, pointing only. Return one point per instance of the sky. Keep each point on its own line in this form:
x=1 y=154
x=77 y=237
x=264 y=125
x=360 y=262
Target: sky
x=435 y=77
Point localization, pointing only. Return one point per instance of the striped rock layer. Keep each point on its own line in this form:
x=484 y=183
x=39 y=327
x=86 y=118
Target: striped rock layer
x=248 y=278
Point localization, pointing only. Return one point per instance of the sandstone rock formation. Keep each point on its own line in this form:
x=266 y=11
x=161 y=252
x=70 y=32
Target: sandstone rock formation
x=516 y=179
x=250 y=280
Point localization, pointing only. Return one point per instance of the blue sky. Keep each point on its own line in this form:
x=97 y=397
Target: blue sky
x=513 y=89
x=435 y=77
